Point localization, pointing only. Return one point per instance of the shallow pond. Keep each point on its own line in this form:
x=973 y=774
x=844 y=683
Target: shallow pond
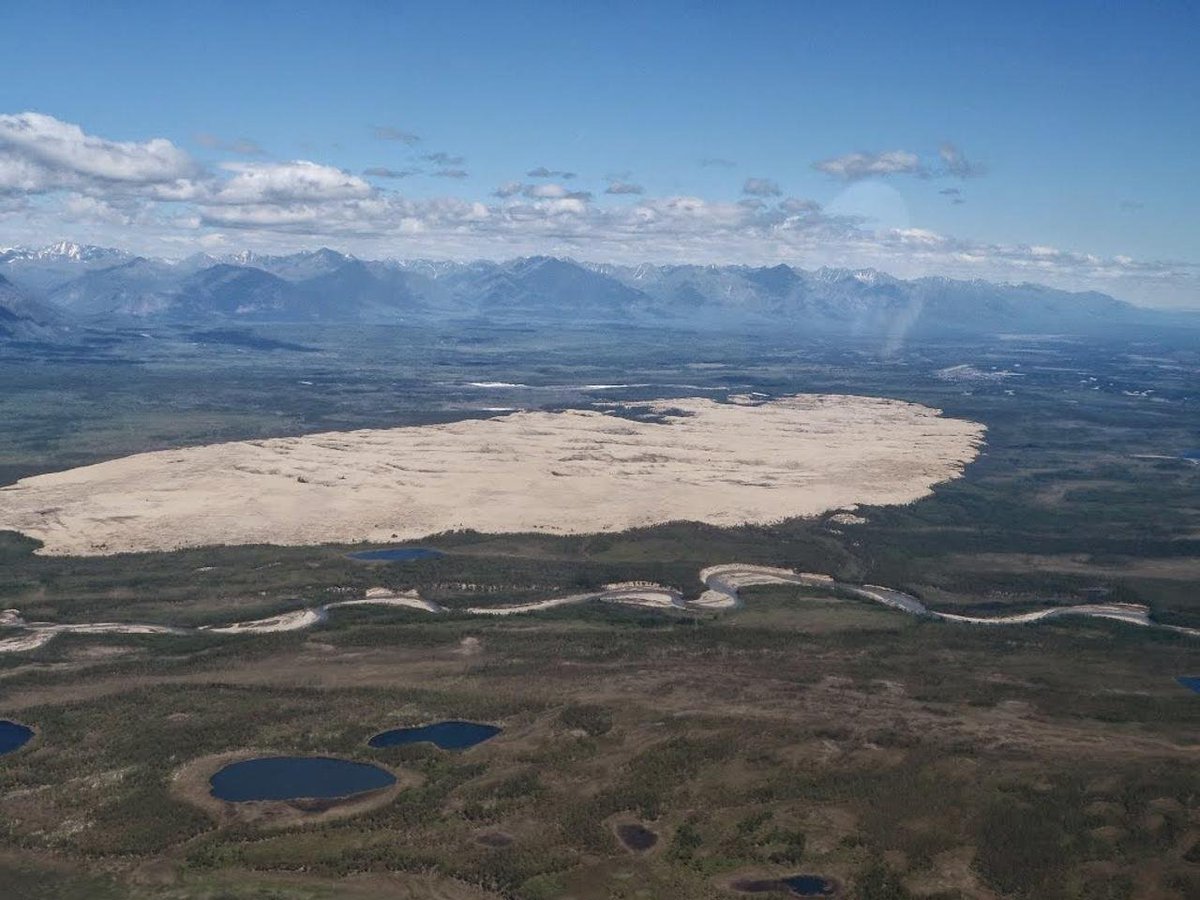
x=297 y=777
x=800 y=885
x=1190 y=681
x=13 y=736
x=452 y=735
x=637 y=837
x=809 y=885
x=396 y=554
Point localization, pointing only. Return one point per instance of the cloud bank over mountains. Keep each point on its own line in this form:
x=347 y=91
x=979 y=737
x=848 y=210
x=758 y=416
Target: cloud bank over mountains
x=57 y=180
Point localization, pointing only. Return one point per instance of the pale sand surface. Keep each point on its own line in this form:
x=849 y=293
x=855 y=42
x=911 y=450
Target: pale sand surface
x=291 y=621
x=384 y=597
x=576 y=471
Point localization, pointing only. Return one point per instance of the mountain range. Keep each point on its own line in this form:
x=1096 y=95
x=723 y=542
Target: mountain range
x=100 y=287
x=24 y=317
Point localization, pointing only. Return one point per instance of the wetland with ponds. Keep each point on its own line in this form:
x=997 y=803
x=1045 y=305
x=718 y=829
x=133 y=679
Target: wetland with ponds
x=798 y=735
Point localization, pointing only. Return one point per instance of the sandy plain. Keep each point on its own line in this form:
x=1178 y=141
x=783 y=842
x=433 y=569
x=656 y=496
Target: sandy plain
x=575 y=471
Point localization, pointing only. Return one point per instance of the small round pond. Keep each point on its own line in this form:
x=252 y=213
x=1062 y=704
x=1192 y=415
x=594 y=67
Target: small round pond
x=638 y=838
x=296 y=778
x=396 y=554
x=809 y=885
x=799 y=885
x=13 y=736
x=452 y=735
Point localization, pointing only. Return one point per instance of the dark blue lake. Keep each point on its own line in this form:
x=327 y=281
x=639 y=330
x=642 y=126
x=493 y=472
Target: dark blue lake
x=636 y=837
x=13 y=735
x=809 y=885
x=1190 y=681
x=800 y=885
x=297 y=777
x=396 y=554
x=447 y=735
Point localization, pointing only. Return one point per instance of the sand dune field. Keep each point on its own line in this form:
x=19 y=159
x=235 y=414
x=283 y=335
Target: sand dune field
x=576 y=471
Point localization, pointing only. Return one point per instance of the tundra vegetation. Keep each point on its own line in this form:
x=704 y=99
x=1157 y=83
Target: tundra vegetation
x=803 y=733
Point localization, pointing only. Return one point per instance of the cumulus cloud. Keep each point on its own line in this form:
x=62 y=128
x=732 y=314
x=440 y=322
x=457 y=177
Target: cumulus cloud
x=550 y=191
x=956 y=164
x=82 y=208
x=545 y=191
x=951 y=162
x=620 y=186
x=543 y=172
x=388 y=133
x=855 y=166
x=451 y=173
x=151 y=197
x=40 y=153
x=287 y=195
x=761 y=187
x=288 y=182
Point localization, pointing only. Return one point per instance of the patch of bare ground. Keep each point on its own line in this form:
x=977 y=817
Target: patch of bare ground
x=360 y=886
x=191 y=783
x=951 y=873
x=494 y=840
x=680 y=687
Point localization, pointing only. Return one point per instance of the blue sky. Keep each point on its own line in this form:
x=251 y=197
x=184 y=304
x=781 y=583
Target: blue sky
x=1048 y=142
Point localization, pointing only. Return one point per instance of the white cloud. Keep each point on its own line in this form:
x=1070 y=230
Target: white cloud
x=21 y=175
x=288 y=182
x=551 y=191
x=951 y=162
x=546 y=191
x=82 y=208
x=854 y=166
x=151 y=197
x=40 y=153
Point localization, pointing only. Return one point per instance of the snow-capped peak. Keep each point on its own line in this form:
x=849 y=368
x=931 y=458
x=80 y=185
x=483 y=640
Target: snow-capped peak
x=69 y=250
